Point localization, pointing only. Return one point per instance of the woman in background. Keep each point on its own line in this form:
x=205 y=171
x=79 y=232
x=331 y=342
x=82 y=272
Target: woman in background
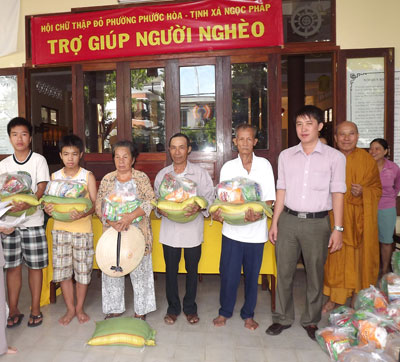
x=390 y=179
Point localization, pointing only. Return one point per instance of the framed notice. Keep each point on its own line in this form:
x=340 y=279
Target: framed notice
x=8 y=109
x=365 y=80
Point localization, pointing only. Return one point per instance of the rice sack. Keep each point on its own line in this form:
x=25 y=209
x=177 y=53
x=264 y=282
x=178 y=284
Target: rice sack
x=123 y=331
x=234 y=214
x=63 y=206
x=176 y=210
x=235 y=197
x=16 y=187
x=118 y=203
x=30 y=199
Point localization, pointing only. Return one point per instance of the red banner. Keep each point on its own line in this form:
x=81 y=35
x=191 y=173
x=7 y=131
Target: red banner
x=158 y=29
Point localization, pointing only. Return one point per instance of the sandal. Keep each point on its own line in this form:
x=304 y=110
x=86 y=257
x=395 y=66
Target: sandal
x=15 y=319
x=112 y=315
x=192 y=318
x=170 y=318
x=140 y=316
x=36 y=320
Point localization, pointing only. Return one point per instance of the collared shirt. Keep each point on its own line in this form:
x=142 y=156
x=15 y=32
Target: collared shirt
x=260 y=172
x=390 y=180
x=310 y=180
x=186 y=235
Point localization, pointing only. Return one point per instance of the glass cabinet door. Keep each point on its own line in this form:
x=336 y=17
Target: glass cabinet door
x=197 y=106
x=100 y=110
x=148 y=109
x=250 y=98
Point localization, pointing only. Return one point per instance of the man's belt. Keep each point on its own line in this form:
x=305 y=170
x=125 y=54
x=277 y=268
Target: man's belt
x=306 y=215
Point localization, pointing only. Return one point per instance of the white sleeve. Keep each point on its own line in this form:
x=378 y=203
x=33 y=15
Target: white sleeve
x=43 y=174
x=268 y=185
x=224 y=173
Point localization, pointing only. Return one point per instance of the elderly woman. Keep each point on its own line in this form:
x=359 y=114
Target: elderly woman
x=390 y=179
x=125 y=178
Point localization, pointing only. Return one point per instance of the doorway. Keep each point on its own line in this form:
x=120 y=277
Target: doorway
x=307 y=79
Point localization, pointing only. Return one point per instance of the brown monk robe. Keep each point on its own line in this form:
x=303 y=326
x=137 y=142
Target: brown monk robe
x=356 y=265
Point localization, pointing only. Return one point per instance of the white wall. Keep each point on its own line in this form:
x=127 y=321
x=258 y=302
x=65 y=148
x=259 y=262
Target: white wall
x=33 y=7
x=368 y=24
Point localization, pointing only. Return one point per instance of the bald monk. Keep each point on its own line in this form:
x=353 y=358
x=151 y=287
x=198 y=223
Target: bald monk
x=356 y=265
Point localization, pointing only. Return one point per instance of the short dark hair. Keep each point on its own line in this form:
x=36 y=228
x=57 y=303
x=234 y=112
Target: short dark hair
x=19 y=121
x=129 y=145
x=71 y=140
x=179 y=134
x=382 y=142
x=311 y=112
x=243 y=126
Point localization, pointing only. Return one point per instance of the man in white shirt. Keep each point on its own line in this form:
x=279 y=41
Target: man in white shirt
x=244 y=245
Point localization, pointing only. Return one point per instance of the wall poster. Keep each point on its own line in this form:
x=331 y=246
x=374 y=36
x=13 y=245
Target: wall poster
x=8 y=109
x=365 y=79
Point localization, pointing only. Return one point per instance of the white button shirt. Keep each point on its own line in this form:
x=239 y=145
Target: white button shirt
x=261 y=172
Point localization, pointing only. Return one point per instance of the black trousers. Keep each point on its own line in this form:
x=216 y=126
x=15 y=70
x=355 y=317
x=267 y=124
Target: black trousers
x=172 y=256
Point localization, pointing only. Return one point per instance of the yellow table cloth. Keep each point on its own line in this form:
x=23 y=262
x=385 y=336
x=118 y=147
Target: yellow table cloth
x=209 y=262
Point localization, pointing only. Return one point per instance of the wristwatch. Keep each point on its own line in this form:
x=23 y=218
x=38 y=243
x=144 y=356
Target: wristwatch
x=338 y=228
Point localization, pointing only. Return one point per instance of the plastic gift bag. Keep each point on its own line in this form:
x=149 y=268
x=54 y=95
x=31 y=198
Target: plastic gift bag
x=177 y=188
x=393 y=346
x=396 y=262
x=341 y=316
x=374 y=329
x=393 y=311
x=371 y=297
x=118 y=203
x=365 y=354
x=65 y=188
x=390 y=285
x=238 y=191
x=335 y=340
x=15 y=183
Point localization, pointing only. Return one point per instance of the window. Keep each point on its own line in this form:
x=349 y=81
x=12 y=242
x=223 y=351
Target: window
x=148 y=109
x=100 y=110
x=197 y=106
x=250 y=98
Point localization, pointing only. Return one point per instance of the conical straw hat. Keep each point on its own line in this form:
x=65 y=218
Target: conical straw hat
x=131 y=251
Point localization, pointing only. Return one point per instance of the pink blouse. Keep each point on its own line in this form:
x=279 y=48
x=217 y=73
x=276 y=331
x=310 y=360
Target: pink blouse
x=390 y=179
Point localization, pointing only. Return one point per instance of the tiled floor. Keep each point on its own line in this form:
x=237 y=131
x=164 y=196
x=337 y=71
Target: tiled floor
x=181 y=342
